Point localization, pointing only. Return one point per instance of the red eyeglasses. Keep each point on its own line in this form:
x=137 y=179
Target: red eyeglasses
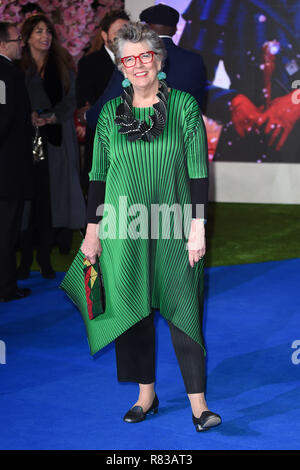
x=145 y=58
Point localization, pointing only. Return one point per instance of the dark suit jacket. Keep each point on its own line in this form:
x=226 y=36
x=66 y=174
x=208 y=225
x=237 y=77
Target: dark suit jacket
x=15 y=134
x=94 y=72
x=185 y=71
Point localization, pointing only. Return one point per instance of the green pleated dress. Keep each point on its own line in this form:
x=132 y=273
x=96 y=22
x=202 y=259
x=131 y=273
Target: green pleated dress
x=142 y=273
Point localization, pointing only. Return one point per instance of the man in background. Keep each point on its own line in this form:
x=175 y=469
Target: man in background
x=94 y=73
x=15 y=158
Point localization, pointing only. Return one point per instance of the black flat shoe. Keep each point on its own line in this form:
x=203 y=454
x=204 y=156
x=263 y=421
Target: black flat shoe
x=136 y=414
x=18 y=294
x=207 y=420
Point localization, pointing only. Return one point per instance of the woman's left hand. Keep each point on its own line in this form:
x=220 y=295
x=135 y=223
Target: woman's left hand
x=196 y=241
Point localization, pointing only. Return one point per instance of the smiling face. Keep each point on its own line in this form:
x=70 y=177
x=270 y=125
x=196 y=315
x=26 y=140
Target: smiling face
x=41 y=38
x=141 y=76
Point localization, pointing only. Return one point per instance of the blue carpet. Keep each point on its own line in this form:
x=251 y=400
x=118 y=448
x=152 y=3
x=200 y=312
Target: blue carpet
x=54 y=395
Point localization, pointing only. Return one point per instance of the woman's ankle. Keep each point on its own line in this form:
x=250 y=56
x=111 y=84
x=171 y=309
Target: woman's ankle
x=146 y=393
x=198 y=404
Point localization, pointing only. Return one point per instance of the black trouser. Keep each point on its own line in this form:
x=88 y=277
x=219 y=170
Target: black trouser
x=11 y=216
x=39 y=231
x=135 y=353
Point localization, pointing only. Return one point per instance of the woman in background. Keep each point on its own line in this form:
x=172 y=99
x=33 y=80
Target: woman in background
x=58 y=201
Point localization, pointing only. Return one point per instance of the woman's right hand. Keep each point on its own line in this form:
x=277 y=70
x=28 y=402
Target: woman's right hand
x=91 y=246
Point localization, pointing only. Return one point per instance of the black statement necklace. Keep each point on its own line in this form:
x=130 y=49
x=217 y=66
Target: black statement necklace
x=135 y=128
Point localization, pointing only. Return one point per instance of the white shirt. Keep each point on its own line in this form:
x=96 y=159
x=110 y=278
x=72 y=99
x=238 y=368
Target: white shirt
x=111 y=55
x=8 y=58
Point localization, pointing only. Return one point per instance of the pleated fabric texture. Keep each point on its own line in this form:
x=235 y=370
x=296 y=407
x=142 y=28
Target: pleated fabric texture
x=143 y=272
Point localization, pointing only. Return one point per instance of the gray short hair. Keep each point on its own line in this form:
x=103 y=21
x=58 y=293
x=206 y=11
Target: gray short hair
x=137 y=32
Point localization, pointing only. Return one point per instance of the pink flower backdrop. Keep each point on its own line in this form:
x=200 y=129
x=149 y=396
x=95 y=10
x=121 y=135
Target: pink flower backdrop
x=75 y=20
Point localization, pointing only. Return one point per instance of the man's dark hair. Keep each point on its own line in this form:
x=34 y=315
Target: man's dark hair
x=4 y=30
x=111 y=17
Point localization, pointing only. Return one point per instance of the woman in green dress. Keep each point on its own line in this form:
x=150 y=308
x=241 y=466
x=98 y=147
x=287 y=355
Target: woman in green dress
x=149 y=183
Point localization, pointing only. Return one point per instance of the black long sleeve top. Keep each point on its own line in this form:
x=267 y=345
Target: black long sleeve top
x=199 y=195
